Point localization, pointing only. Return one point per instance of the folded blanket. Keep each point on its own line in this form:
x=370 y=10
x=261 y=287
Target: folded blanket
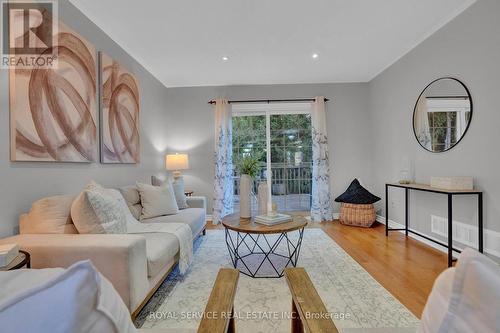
x=181 y=230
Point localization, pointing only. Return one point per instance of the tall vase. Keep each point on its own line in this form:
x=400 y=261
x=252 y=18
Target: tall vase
x=262 y=198
x=245 y=203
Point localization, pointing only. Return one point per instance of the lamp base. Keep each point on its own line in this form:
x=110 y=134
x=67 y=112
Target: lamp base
x=176 y=174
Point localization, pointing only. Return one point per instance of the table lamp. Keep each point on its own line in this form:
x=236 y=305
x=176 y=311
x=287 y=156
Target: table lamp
x=176 y=162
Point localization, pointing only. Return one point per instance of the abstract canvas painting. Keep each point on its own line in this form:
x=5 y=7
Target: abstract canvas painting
x=53 y=111
x=119 y=113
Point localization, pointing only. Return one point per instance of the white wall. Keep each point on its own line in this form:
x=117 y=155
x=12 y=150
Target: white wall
x=24 y=182
x=467 y=48
x=191 y=128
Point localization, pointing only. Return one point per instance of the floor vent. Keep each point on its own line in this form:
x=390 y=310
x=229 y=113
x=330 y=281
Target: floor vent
x=467 y=234
x=463 y=233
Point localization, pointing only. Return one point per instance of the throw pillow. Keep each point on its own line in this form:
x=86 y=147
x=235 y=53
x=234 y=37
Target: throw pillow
x=157 y=200
x=50 y=215
x=97 y=211
x=178 y=186
x=464 y=298
x=357 y=194
x=133 y=200
x=77 y=299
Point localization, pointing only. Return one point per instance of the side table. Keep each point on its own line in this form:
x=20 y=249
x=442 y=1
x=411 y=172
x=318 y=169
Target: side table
x=22 y=260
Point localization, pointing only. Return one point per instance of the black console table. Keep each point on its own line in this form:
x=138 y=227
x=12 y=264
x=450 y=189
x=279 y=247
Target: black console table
x=450 y=194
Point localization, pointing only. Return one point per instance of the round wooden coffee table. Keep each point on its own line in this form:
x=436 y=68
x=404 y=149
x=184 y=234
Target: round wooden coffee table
x=261 y=251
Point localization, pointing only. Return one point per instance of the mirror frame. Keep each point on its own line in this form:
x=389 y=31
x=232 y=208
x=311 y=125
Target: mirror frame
x=470 y=118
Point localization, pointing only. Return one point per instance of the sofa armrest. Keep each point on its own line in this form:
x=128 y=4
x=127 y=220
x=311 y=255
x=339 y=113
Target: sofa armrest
x=120 y=258
x=197 y=202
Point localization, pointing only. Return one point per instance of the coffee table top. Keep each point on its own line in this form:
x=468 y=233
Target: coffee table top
x=248 y=225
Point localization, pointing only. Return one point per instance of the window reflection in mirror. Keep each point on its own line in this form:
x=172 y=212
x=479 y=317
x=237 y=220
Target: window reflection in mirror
x=442 y=114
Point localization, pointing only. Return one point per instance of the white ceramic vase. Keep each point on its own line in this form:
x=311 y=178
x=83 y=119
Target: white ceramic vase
x=245 y=189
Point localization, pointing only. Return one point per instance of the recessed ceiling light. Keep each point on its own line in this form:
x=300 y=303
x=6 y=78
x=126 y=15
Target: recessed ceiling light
x=315 y=55
x=225 y=58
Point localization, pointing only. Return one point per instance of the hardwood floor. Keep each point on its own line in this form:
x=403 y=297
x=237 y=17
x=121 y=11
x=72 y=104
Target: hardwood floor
x=405 y=267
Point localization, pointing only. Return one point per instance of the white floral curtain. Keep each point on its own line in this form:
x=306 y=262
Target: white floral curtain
x=321 y=206
x=422 y=129
x=223 y=182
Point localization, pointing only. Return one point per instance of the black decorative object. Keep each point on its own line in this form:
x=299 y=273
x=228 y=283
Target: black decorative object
x=357 y=194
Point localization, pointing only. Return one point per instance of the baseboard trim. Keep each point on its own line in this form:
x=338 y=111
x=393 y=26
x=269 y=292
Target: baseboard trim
x=396 y=225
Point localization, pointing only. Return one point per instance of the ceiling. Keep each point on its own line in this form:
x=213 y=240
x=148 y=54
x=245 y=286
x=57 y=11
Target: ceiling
x=268 y=41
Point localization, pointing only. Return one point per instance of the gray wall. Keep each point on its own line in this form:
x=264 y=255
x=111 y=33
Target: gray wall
x=191 y=128
x=23 y=183
x=369 y=125
x=467 y=48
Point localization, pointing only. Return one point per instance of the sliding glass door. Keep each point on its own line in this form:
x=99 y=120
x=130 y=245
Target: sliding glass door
x=285 y=132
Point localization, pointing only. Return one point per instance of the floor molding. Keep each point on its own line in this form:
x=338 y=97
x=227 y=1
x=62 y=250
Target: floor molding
x=394 y=224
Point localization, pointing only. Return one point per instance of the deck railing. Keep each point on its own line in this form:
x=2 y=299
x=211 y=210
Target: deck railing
x=291 y=186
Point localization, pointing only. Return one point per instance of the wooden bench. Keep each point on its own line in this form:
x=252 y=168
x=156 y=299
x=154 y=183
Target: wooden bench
x=309 y=314
x=218 y=315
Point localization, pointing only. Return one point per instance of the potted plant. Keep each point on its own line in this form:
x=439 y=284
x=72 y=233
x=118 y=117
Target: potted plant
x=248 y=168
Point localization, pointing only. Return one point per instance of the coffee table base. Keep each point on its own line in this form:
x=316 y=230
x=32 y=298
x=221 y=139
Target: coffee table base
x=251 y=252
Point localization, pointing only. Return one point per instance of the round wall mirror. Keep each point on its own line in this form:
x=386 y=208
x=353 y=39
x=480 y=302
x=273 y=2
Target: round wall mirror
x=442 y=114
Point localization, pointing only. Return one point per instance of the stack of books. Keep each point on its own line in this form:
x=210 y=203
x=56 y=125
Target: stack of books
x=273 y=219
x=8 y=252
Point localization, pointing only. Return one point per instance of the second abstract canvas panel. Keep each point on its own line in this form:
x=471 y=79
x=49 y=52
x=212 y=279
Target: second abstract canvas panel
x=120 y=110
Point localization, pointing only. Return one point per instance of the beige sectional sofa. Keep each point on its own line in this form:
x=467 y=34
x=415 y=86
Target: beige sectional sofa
x=136 y=264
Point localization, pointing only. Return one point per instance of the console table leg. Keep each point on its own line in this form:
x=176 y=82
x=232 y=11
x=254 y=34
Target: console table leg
x=480 y=221
x=407 y=208
x=450 y=230
x=386 y=210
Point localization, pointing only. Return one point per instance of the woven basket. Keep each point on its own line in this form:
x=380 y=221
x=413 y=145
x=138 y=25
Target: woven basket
x=357 y=215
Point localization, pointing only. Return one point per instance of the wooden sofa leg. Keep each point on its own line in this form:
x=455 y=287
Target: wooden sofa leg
x=204 y=232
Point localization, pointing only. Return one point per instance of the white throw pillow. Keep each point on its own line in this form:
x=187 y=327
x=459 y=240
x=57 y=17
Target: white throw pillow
x=129 y=217
x=77 y=299
x=97 y=210
x=133 y=200
x=469 y=301
x=157 y=200
x=178 y=186
x=50 y=215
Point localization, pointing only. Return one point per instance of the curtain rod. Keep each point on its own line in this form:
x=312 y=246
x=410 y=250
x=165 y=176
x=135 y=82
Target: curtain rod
x=271 y=100
x=447 y=97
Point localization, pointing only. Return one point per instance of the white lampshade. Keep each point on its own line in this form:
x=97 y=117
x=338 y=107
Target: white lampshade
x=176 y=162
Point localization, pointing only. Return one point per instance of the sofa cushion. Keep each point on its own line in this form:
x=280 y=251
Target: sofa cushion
x=136 y=211
x=51 y=215
x=133 y=199
x=157 y=200
x=177 y=185
x=97 y=210
x=160 y=249
x=194 y=217
x=130 y=194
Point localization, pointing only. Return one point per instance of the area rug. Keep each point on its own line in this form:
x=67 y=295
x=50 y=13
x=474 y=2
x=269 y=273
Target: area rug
x=354 y=299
